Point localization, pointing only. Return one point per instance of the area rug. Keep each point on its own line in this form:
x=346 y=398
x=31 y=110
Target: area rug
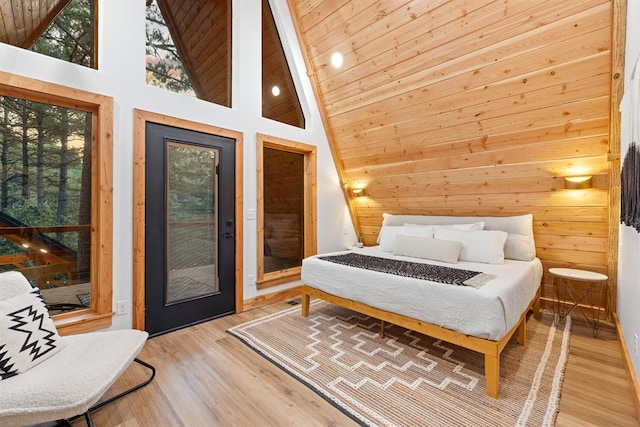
x=408 y=379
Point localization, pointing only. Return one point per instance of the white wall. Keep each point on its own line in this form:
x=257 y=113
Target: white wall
x=121 y=75
x=629 y=249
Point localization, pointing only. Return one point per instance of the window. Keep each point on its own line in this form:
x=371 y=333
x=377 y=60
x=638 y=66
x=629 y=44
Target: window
x=280 y=100
x=72 y=35
x=164 y=66
x=189 y=48
x=55 y=197
x=286 y=208
x=61 y=29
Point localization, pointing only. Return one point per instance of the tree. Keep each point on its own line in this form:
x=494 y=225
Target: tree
x=5 y=142
x=24 y=116
x=84 y=208
x=71 y=35
x=164 y=66
x=63 y=169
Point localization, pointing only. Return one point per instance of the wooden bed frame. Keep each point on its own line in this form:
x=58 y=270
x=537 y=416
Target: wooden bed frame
x=490 y=349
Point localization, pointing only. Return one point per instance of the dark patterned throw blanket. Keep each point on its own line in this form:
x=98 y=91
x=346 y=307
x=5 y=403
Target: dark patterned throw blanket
x=416 y=270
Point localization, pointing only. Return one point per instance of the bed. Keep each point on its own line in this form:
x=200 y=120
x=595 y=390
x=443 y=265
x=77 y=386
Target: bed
x=482 y=316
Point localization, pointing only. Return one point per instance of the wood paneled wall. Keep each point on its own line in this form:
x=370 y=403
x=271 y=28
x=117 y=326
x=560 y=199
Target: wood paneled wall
x=454 y=107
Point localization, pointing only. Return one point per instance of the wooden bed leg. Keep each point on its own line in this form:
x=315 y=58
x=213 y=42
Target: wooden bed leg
x=492 y=374
x=522 y=331
x=536 y=306
x=304 y=303
x=382 y=329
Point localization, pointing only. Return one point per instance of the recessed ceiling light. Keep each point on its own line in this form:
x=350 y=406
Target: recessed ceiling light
x=337 y=60
x=275 y=91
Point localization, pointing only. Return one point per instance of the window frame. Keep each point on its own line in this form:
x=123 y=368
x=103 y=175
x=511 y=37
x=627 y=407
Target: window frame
x=101 y=107
x=266 y=280
x=270 y=28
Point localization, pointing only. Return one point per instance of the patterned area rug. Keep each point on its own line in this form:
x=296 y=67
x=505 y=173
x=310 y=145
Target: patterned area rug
x=408 y=379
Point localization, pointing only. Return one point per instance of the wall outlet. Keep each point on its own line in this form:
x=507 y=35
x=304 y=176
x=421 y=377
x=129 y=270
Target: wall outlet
x=121 y=308
x=251 y=278
x=635 y=344
x=251 y=214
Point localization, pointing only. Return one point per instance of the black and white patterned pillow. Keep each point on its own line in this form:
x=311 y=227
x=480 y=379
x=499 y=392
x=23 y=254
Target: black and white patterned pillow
x=27 y=333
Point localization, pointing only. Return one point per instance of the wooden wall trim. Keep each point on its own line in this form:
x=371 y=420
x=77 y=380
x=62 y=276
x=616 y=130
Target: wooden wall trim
x=310 y=231
x=102 y=207
x=618 y=40
x=139 y=191
x=101 y=108
x=323 y=114
x=271 y=298
x=635 y=386
x=140 y=119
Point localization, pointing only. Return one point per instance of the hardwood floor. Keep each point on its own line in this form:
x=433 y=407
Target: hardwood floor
x=596 y=389
x=206 y=377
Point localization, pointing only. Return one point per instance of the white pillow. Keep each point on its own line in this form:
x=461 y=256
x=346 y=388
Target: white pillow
x=388 y=235
x=27 y=333
x=486 y=246
x=520 y=243
x=427 y=248
x=473 y=226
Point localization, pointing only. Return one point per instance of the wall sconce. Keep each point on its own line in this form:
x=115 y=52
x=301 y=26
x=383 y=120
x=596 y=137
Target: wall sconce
x=358 y=192
x=578 y=182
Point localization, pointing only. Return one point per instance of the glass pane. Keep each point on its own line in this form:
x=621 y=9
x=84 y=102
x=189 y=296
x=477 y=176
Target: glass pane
x=71 y=36
x=45 y=199
x=192 y=228
x=283 y=209
x=189 y=48
x=279 y=97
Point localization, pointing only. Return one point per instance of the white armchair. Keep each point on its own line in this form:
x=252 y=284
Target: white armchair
x=67 y=384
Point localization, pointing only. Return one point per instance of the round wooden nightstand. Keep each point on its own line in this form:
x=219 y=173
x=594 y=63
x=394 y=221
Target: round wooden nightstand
x=574 y=298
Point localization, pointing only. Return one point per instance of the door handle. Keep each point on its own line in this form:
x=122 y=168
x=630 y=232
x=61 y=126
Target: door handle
x=228 y=235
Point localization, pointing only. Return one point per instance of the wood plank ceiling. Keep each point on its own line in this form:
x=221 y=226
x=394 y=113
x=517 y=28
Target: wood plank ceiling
x=470 y=107
x=22 y=22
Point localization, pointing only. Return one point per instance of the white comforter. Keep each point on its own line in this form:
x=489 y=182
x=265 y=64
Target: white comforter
x=489 y=312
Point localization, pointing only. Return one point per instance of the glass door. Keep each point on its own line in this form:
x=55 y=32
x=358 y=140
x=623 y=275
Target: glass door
x=190 y=228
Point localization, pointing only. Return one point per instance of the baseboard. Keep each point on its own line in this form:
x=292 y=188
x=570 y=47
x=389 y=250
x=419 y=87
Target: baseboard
x=271 y=298
x=632 y=374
